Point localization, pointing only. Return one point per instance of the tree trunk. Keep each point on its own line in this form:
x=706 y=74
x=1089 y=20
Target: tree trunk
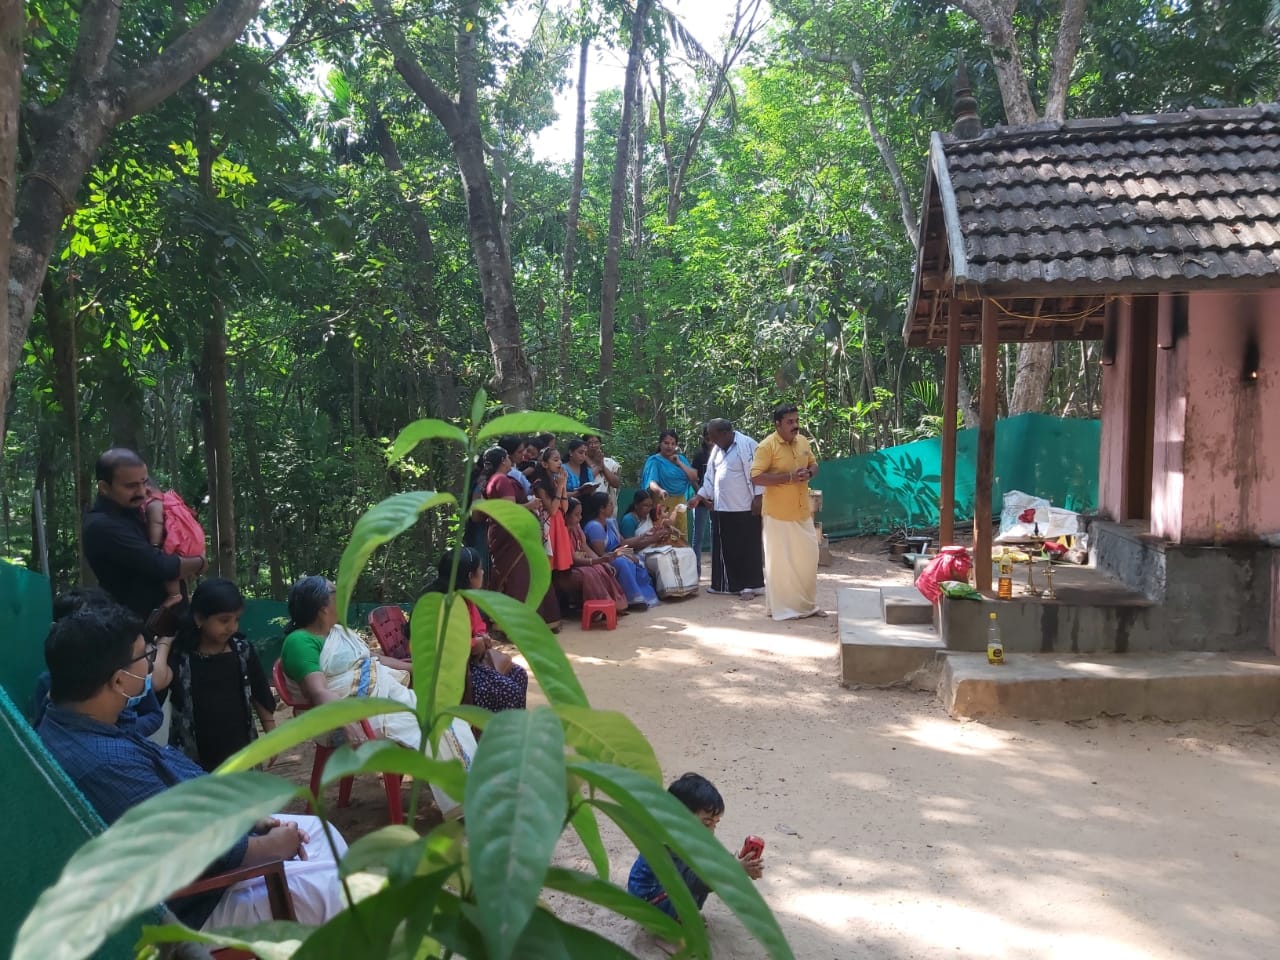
x=270 y=536
x=11 y=23
x=512 y=381
x=1064 y=58
x=910 y=221
x=60 y=314
x=964 y=400
x=617 y=195
x=1031 y=381
x=66 y=135
x=571 y=226
x=218 y=417
x=995 y=17
x=640 y=315
x=423 y=291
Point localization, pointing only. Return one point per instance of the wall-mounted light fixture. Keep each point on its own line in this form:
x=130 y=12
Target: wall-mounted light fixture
x=1252 y=361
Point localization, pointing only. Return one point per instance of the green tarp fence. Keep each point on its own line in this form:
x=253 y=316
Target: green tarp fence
x=898 y=487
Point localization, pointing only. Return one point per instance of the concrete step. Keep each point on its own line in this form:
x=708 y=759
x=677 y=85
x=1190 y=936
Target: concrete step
x=1092 y=613
x=875 y=653
x=1171 y=686
x=905 y=605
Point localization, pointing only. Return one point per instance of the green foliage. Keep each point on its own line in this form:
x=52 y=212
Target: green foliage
x=468 y=889
x=151 y=851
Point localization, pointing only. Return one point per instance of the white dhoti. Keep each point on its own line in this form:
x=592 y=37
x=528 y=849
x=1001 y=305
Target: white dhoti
x=313 y=884
x=790 y=568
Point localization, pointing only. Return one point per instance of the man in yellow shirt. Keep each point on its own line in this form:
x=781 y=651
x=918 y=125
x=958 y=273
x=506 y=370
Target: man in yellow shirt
x=784 y=465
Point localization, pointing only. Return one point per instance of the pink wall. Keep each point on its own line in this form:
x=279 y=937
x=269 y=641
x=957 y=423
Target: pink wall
x=1230 y=470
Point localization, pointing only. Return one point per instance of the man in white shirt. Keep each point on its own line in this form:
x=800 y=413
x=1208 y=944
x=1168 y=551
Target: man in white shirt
x=606 y=468
x=737 y=554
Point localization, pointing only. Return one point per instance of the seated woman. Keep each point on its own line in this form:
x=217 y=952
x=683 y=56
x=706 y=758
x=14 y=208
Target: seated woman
x=326 y=661
x=494 y=680
x=669 y=477
x=590 y=576
x=510 y=572
x=645 y=517
x=579 y=478
x=607 y=541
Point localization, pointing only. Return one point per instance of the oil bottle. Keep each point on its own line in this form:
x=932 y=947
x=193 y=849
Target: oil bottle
x=1004 y=586
x=995 y=646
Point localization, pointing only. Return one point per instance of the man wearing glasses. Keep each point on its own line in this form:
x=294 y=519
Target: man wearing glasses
x=100 y=666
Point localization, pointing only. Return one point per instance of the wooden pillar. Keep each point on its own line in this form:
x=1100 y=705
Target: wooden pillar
x=986 y=449
x=950 y=392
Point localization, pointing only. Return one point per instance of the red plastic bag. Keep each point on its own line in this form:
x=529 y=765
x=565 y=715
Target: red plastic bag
x=951 y=563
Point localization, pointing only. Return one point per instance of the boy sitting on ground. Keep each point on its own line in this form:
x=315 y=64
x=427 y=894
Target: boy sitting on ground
x=704 y=800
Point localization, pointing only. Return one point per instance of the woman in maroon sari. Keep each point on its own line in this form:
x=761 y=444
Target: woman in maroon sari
x=510 y=573
x=591 y=575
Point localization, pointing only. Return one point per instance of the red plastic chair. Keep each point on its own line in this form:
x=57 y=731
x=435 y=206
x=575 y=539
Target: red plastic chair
x=391 y=629
x=390 y=781
x=591 y=607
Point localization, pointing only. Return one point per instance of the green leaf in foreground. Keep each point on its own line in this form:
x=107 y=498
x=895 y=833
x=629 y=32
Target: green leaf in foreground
x=308 y=725
x=588 y=831
x=609 y=737
x=420 y=430
x=275 y=940
x=695 y=845
x=386 y=756
x=547 y=937
x=155 y=848
x=516 y=798
x=537 y=643
x=366 y=929
x=524 y=527
x=531 y=422
x=593 y=889
x=395 y=848
x=432 y=640
x=380 y=524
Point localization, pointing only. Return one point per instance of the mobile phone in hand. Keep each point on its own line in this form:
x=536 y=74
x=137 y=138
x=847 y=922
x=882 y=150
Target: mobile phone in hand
x=752 y=845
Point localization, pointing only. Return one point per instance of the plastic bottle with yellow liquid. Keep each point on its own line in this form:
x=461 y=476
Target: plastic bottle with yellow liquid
x=995 y=646
x=1004 y=585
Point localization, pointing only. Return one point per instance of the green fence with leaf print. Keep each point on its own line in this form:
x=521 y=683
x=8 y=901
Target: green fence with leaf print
x=898 y=487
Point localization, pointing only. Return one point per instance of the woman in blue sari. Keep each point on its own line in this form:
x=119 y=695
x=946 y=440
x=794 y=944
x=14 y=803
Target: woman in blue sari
x=605 y=539
x=669 y=477
x=577 y=471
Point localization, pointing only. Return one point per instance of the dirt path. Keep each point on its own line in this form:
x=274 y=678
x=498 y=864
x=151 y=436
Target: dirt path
x=894 y=832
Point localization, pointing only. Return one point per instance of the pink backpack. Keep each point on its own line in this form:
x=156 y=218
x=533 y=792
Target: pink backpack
x=183 y=534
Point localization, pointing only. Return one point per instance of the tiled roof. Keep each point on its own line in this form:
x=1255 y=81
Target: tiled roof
x=1091 y=208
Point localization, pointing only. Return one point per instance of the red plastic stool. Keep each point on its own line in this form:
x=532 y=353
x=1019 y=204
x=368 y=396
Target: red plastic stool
x=591 y=607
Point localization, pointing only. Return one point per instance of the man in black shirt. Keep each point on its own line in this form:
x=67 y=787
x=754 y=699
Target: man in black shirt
x=115 y=537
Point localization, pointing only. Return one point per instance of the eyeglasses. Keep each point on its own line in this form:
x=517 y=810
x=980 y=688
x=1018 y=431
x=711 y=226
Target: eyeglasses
x=148 y=654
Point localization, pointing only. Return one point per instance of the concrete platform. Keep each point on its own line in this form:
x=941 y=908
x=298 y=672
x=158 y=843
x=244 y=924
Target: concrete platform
x=1170 y=686
x=905 y=605
x=1093 y=613
x=875 y=653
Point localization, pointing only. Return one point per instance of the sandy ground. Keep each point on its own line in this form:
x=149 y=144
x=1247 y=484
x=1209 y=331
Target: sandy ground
x=895 y=832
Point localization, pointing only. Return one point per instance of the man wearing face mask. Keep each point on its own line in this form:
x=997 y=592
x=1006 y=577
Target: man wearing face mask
x=100 y=666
